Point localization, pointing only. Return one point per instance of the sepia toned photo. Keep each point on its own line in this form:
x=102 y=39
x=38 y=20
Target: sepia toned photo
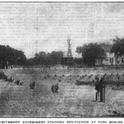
x=61 y=59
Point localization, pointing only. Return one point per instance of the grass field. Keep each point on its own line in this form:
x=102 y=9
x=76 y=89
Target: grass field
x=71 y=100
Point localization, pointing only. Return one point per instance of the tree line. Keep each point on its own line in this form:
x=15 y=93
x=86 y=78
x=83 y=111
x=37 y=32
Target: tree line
x=10 y=56
x=46 y=59
x=93 y=51
x=90 y=53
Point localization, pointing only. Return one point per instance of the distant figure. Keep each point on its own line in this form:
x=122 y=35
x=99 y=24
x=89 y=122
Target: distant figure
x=32 y=85
x=118 y=77
x=17 y=82
x=55 y=88
x=10 y=79
x=21 y=83
x=97 y=87
x=100 y=88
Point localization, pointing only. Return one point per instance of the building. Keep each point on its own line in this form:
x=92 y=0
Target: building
x=120 y=60
x=111 y=58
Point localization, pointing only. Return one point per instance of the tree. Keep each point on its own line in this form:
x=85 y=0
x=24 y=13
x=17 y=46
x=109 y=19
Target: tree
x=47 y=59
x=90 y=53
x=56 y=57
x=118 y=46
x=40 y=58
x=11 y=56
x=79 y=49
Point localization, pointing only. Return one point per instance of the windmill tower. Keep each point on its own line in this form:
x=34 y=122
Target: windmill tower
x=69 y=53
x=69 y=59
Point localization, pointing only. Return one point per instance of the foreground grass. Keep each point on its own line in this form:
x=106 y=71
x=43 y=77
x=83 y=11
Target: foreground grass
x=71 y=101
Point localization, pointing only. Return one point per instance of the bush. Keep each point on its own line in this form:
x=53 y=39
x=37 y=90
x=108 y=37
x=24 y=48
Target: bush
x=3 y=76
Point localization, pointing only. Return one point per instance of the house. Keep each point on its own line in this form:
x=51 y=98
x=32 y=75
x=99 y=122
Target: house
x=111 y=58
x=120 y=60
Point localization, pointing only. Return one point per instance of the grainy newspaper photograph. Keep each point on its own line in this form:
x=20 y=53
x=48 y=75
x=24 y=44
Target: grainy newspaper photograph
x=61 y=59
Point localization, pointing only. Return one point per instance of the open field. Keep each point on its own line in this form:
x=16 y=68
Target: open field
x=71 y=100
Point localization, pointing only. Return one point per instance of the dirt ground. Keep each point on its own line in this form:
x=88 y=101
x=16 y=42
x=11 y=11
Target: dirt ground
x=71 y=100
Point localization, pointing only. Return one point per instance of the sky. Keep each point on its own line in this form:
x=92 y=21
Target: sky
x=35 y=27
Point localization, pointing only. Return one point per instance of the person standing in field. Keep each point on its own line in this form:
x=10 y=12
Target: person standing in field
x=100 y=89
x=97 y=87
